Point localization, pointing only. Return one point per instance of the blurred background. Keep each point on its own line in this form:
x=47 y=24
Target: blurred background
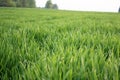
x=78 y=5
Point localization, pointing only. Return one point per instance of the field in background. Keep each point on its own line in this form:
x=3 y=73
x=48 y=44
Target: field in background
x=38 y=44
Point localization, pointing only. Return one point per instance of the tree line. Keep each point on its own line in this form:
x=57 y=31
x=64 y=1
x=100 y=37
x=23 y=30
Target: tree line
x=25 y=3
x=17 y=3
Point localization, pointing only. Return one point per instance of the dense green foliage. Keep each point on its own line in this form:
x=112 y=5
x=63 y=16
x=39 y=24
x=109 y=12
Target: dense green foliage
x=50 y=5
x=38 y=44
x=17 y=3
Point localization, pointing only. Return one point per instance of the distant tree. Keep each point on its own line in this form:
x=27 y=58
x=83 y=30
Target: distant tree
x=3 y=3
x=7 y=3
x=48 y=4
x=119 y=10
x=31 y=3
x=17 y=3
x=54 y=6
x=11 y=3
x=24 y=3
x=27 y=3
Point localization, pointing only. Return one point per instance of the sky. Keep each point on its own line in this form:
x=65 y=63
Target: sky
x=84 y=5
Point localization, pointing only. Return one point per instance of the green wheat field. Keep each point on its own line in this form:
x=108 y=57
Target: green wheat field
x=43 y=44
